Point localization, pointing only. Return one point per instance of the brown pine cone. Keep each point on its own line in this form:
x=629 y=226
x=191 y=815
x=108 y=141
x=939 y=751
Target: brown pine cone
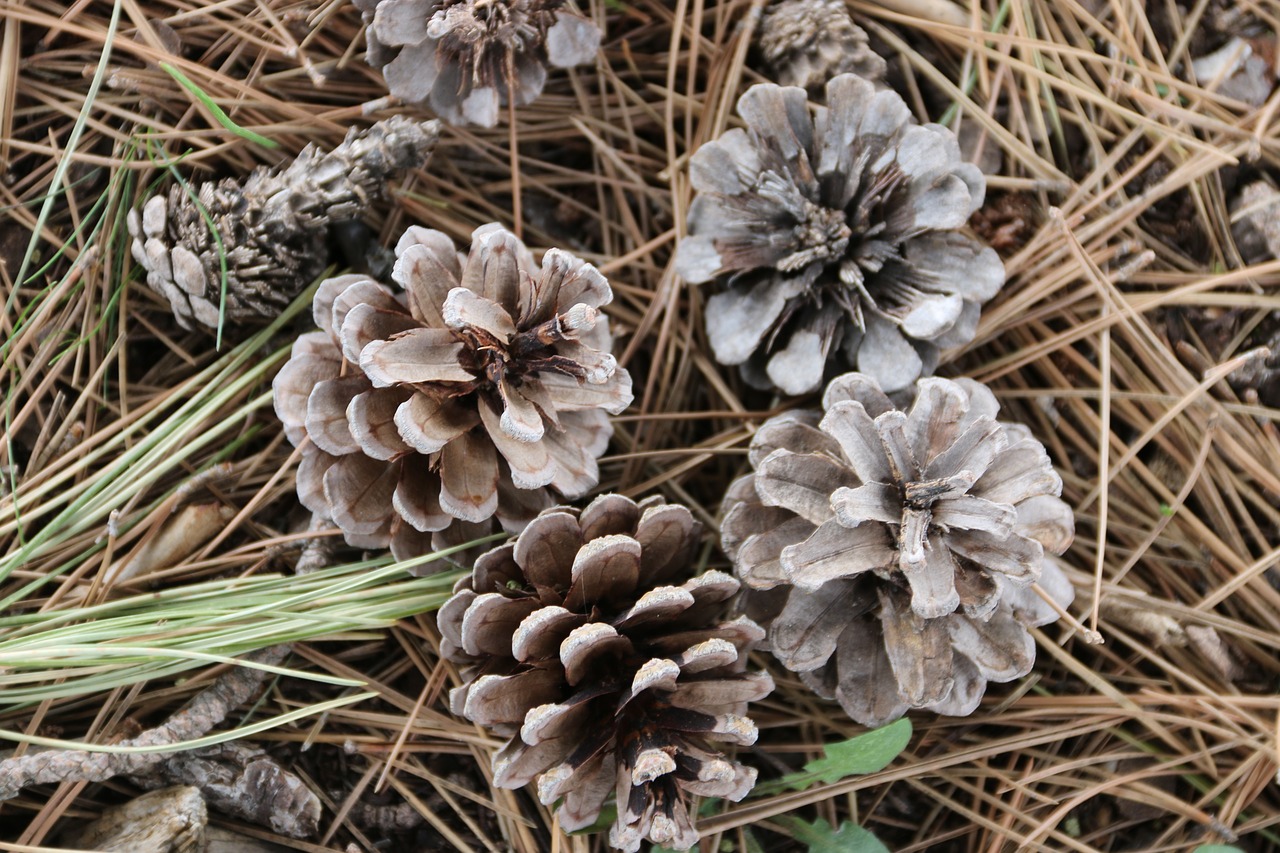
x=589 y=644
x=468 y=58
x=838 y=236
x=272 y=228
x=902 y=543
x=807 y=42
x=481 y=391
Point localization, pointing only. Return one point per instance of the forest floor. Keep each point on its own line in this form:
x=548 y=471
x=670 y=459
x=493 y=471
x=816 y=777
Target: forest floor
x=1149 y=722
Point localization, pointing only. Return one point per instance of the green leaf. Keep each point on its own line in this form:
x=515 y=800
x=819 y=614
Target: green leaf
x=869 y=752
x=218 y=113
x=1217 y=848
x=821 y=838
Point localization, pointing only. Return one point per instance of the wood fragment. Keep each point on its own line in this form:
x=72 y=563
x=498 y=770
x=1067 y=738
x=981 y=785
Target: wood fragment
x=243 y=782
x=167 y=820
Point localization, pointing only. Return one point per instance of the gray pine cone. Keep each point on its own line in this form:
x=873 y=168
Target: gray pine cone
x=272 y=228
x=837 y=234
x=591 y=645
x=468 y=58
x=807 y=42
x=900 y=546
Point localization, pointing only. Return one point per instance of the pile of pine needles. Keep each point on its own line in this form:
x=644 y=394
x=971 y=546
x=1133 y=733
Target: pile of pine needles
x=148 y=527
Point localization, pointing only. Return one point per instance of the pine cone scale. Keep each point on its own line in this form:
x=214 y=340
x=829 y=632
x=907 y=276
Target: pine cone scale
x=469 y=478
x=371 y=420
x=357 y=489
x=919 y=650
x=329 y=430
x=833 y=551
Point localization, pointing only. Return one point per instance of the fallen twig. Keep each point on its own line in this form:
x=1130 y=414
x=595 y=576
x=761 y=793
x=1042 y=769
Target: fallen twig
x=197 y=717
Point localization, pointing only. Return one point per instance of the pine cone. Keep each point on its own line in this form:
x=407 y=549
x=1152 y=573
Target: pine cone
x=588 y=642
x=468 y=58
x=837 y=234
x=478 y=392
x=905 y=545
x=807 y=42
x=272 y=229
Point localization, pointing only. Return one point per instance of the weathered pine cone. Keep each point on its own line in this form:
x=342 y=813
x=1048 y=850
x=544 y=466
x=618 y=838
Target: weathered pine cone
x=481 y=391
x=807 y=42
x=588 y=642
x=900 y=547
x=272 y=228
x=468 y=58
x=838 y=236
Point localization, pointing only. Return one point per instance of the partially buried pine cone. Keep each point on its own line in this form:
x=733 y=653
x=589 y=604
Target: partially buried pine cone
x=610 y=667
x=481 y=391
x=272 y=228
x=468 y=58
x=807 y=42
x=838 y=236
x=899 y=548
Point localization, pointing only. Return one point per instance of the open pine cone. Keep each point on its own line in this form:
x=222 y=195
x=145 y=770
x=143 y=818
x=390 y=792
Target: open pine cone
x=589 y=644
x=807 y=42
x=272 y=228
x=838 y=236
x=477 y=393
x=901 y=546
x=468 y=58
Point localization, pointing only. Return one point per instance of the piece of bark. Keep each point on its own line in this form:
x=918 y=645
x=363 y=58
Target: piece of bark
x=168 y=820
x=240 y=781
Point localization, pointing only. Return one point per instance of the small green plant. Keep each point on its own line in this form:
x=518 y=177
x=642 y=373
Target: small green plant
x=860 y=755
x=823 y=838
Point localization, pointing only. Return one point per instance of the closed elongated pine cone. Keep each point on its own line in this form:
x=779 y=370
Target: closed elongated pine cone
x=272 y=228
x=481 y=391
x=467 y=59
x=837 y=235
x=807 y=42
x=591 y=645
x=900 y=546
